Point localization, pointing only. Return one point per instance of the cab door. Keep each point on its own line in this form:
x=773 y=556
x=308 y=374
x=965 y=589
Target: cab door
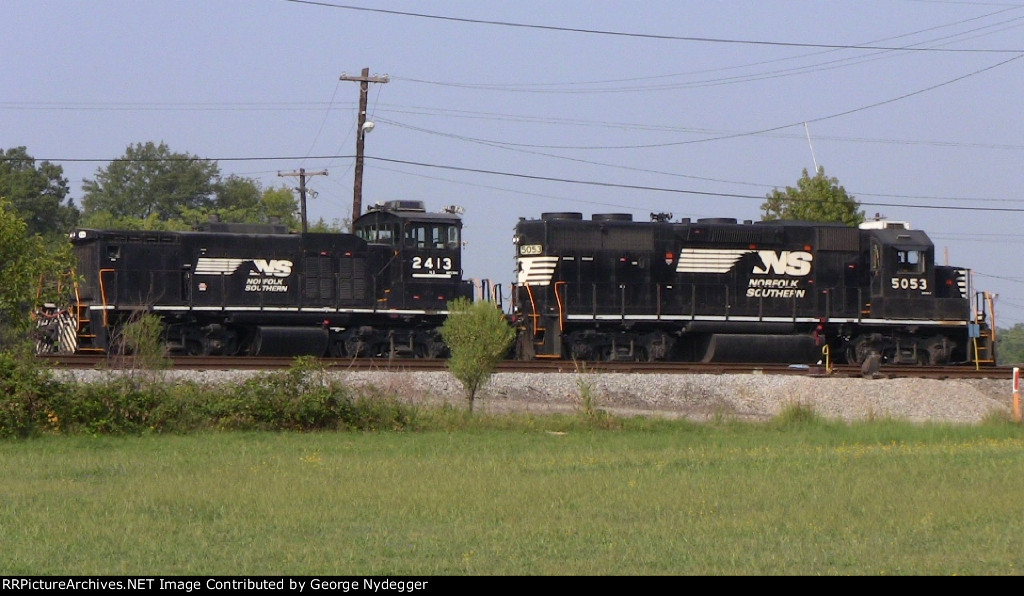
x=877 y=274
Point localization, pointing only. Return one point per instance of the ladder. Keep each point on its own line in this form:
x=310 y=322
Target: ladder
x=985 y=337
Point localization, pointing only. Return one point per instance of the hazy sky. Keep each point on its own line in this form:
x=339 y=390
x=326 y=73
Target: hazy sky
x=511 y=109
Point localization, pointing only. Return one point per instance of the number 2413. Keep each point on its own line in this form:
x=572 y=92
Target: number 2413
x=444 y=263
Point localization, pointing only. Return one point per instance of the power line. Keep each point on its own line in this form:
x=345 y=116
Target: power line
x=643 y=35
x=562 y=180
x=723 y=137
x=669 y=190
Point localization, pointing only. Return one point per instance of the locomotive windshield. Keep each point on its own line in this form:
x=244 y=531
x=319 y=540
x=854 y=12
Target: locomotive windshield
x=432 y=235
x=909 y=261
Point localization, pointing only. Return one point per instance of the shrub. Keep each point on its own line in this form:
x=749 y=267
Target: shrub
x=300 y=398
x=25 y=388
x=478 y=337
x=796 y=415
x=304 y=398
x=119 y=406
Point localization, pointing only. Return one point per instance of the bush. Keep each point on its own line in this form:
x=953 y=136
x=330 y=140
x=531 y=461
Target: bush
x=304 y=398
x=119 y=406
x=479 y=337
x=25 y=388
x=300 y=398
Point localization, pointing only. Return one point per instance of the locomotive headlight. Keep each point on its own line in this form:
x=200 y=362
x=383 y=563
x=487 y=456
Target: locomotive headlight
x=515 y=239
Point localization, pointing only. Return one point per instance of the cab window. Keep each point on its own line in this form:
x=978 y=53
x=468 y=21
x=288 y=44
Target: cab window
x=415 y=236
x=909 y=261
x=427 y=235
x=377 y=233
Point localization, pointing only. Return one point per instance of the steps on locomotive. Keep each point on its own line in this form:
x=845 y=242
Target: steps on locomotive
x=983 y=353
x=985 y=340
x=86 y=338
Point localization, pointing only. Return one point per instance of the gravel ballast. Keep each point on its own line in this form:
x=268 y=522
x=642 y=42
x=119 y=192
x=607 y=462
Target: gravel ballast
x=697 y=397
x=703 y=397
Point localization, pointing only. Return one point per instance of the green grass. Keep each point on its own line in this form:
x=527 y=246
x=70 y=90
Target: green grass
x=519 y=495
x=291 y=473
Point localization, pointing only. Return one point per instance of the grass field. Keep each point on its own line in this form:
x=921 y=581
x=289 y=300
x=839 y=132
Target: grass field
x=526 y=496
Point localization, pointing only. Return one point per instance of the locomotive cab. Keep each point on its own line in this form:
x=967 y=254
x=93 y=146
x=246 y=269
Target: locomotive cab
x=900 y=272
x=905 y=279
x=419 y=255
x=907 y=288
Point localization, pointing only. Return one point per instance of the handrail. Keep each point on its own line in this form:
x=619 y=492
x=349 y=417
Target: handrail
x=103 y=293
x=561 y=306
x=533 y=310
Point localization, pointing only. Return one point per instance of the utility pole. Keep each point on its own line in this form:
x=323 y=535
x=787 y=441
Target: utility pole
x=361 y=129
x=303 y=174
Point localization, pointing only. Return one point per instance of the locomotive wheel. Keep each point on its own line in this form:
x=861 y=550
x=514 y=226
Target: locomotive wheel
x=871 y=364
x=581 y=351
x=231 y=346
x=336 y=349
x=936 y=351
x=858 y=350
x=354 y=347
x=434 y=349
x=195 y=347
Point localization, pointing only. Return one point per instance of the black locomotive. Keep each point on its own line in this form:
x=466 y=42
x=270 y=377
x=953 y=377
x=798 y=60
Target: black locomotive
x=239 y=289
x=610 y=288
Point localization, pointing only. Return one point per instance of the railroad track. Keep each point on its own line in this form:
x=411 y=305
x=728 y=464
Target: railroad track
x=537 y=366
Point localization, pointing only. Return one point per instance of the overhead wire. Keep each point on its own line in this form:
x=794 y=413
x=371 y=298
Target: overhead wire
x=633 y=34
x=828 y=47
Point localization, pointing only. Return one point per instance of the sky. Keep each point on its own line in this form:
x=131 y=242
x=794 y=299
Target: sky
x=511 y=109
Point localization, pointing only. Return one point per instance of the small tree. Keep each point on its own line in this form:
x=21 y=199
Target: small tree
x=478 y=337
x=37 y=193
x=25 y=260
x=150 y=180
x=813 y=199
x=1011 y=345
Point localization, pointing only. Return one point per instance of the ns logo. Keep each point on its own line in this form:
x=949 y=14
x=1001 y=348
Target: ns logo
x=786 y=262
x=273 y=267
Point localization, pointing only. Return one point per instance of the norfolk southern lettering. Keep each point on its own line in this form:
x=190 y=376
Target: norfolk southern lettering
x=775 y=288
